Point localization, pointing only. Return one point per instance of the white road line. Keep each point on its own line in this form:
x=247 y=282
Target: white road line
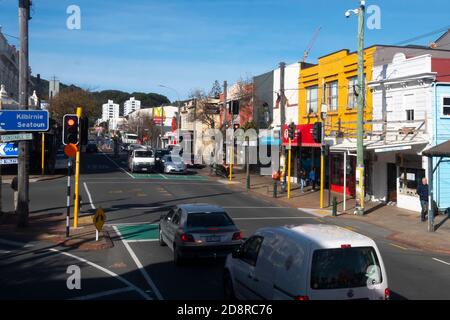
x=441 y=261
x=164 y=176
x=122 y=169
x=139 y=265
x=115 y=275
x=256 y=208
x=155 y=182
x=103 y=294
x=272 y=218
x=15 y=243
x=89 y=195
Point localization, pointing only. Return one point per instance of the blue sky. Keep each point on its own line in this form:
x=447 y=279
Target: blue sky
x=135 y=45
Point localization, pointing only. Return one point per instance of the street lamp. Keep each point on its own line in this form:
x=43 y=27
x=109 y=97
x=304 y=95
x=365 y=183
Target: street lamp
x=361 y=96
x=179 y=109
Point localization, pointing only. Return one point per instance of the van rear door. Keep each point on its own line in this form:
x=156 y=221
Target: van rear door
x=346 y=273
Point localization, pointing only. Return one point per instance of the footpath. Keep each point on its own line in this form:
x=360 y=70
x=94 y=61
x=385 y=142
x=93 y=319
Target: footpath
x=403 y=226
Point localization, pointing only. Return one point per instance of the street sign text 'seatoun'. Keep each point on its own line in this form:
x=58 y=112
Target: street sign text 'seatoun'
x=24 y=120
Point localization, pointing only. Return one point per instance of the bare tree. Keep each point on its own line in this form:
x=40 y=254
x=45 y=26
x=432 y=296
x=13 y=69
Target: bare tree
x=145 y=127
x=206 y=108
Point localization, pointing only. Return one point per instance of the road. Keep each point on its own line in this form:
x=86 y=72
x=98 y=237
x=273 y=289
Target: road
x=138 y=268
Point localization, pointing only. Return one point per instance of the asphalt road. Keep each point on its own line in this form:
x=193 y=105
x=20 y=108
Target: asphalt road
x=138 y=268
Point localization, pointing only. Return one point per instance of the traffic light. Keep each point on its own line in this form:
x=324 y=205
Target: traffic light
x=291 y=131
x=70 y=129
x=317 y=132
x=236 y=126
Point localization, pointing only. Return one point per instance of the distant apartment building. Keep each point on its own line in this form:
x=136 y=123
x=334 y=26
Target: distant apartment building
x=110 y=110
x=130 y=106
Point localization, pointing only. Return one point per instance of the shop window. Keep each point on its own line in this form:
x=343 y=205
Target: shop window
x=410 y=179
x=446 y=106
x=312 y=99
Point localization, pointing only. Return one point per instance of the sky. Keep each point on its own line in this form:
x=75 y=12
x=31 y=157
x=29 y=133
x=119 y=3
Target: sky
x=137 y=45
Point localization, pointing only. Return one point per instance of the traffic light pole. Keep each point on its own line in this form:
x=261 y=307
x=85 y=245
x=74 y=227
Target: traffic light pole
x=77 y=174
x=360 y=117
x=289 y=169
x=322 y=165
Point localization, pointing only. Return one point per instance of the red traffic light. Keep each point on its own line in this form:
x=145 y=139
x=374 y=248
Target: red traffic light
x=70 y=122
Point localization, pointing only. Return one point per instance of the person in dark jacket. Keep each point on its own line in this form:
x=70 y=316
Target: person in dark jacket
x=422 y=191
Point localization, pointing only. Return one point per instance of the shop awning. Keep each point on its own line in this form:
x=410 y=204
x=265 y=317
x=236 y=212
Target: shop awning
x=378 y=146
x=441 y=150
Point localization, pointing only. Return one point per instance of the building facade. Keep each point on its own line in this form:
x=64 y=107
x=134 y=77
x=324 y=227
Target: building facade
x=9 y=68
x=110 y=110
x=130 y=106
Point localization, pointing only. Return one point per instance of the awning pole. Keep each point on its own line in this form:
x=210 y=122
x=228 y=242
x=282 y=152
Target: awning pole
x=430 y=196
x=345 y=181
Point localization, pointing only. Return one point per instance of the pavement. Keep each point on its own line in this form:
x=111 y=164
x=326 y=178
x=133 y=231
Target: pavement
x=405 y=226
x=135 y=266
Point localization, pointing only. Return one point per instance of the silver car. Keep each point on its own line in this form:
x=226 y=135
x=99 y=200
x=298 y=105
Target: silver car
x=173 y=164
x=198 y=230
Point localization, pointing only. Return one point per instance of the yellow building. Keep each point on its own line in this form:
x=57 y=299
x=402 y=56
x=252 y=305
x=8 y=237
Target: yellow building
x=333 y=82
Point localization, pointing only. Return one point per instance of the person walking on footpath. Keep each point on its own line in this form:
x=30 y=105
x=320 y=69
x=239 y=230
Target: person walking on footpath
x=302 y=180
x=312 y=178
x=422 y=191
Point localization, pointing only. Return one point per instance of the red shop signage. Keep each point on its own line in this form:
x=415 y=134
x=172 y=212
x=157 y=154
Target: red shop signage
x=303 y=134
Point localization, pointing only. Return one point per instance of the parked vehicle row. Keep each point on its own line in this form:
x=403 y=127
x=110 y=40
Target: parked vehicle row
x=141 y=158
x=317 y=262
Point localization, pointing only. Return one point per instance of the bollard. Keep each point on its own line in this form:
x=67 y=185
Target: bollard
x=334 y=207
x=275 y=185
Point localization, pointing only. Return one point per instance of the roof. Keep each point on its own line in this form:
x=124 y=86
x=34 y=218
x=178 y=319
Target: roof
x=200 y=207
x=327 y=235
x=441 y=150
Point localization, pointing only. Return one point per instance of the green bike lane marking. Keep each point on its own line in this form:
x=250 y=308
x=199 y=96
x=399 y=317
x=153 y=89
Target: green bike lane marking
x=139 y=232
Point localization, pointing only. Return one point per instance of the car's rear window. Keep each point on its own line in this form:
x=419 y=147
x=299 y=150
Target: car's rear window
x=215 y=219
x=345 y=268
x=143 y=154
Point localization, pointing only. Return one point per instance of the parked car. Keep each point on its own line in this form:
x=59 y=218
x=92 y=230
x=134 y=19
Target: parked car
x=141 y=160
x=319 y=262
x=173 y=164
x=91 y=148
x=198 y=230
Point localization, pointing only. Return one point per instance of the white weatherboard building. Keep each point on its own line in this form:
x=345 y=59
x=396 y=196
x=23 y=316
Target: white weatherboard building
x=402 y=98
x=110 y=110
x=130 y=106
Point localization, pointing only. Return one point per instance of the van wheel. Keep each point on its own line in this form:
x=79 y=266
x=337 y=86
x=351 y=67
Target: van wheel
x=228 y=290
x=161 y=241
x=177 y=258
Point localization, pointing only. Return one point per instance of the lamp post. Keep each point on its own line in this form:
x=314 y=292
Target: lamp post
x=360 y=115
x=179 y=109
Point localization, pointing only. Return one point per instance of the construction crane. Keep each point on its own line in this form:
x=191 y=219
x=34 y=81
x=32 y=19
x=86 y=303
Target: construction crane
x=311 y=43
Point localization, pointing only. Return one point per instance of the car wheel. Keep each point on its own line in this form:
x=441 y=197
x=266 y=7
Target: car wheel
x=177 y=258
x=161 y=241
x=228 y=290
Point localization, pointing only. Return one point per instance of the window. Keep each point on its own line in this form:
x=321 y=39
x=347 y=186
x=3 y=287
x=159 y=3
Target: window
x=352 y=99
x=409 y=115
x=176 y=217
x=312 y=99
x=208 y=219
x=169 y=215
x=344 y=268
x=446 y=106
x=250 y=250
x=331 y=95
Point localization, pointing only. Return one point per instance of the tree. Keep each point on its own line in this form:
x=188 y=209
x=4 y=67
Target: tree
x=69 y=99
x=206 y=109
x=216 y=90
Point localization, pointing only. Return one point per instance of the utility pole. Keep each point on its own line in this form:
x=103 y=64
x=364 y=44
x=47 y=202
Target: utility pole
x=23 y=165
x=225 y=88
x=360 y=117
x=282 y=118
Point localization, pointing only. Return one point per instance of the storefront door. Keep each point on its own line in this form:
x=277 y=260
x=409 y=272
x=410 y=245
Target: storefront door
x=391 y=182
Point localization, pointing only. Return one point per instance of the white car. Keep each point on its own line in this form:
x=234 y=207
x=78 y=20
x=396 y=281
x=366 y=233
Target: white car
x=308 y=262
x=141 y=160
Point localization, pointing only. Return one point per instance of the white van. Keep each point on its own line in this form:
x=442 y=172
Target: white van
x=308 y=262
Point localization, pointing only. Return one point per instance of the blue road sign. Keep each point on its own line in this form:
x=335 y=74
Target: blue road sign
x=24 y=120
x=9 y=150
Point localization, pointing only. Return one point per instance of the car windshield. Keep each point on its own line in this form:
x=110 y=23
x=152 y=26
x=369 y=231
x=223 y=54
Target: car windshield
x=208 y=219
x=143 y=154
x=344 y=268
x=174 y=159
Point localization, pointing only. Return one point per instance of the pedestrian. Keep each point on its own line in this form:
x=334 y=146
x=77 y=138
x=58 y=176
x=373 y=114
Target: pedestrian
x=301 y=179
x=14 y=186
x=422 y=191
x=312 y=178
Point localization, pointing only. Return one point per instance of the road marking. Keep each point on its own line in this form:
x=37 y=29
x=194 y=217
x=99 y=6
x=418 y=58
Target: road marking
x=397 y=246
x=122 y=169
x=103 y=294
x=16 y=243
x=139 y=265
x=164 y=177
x=139 y=232
x=115 y=275
x=4 y=252
x=89 y=195
x=441 y=261
x=272 y=218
